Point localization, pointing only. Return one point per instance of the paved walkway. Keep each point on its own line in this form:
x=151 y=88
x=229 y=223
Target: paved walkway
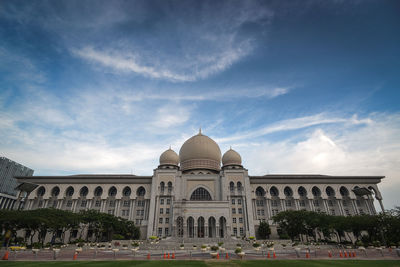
x=92 y=254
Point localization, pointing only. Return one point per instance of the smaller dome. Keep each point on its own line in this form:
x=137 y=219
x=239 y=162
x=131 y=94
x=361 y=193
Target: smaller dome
x=169 y=157
x=231 y=157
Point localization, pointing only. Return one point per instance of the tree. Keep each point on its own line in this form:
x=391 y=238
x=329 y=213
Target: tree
x=264 y=230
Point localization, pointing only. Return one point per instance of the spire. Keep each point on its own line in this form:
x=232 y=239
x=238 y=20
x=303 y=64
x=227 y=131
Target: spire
x=169 y=147
x=200 y=131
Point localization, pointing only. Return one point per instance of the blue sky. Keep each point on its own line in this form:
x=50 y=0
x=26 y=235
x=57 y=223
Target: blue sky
x=293 y=86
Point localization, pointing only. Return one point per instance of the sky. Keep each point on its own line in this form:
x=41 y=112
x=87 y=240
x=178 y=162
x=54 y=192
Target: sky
x=296 y=87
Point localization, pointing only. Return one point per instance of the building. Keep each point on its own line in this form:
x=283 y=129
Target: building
x=9 y=169
x=201 y=194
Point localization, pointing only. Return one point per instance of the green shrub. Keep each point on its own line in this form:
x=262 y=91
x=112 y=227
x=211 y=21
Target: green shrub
x=118 y=237
x=359 y=243
x=256 y=245
x=182 y=245
x=153 y=237
x=37 y=245
x=203 y=246
x=220 y=244
x=238 y=250
x=238 y=245
x=377 y=243
x=251 y=237
x=135 y=244
x=214 y=248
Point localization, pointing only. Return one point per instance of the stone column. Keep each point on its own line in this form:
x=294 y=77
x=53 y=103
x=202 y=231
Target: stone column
x=311 y=203
x=283 y=204
x=341 y=209
x=381 y=204
x=355 y=208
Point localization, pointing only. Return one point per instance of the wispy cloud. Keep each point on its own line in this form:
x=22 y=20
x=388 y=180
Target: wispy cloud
x=218 y=94
x=294 y=124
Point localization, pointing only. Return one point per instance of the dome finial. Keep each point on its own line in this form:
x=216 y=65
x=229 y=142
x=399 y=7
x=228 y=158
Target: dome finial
x=170 y=147
x=230 y=147
x=200 y=131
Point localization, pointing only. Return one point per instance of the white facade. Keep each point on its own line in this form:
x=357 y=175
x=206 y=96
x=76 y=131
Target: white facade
x=193 y=196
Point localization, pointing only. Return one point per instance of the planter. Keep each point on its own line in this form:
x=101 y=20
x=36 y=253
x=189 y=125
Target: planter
x=203 y=249
x=115 y=249
x=222 y=249
x=181 y=248
x=35 y=250
x=56 y=250
x=79 y=250
x=256 y=248
x=241 y=254
x=213 y=255
x=124 y=248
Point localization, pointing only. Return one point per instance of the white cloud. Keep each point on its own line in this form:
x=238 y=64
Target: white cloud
x=182 y=50
x=127 y=62
x=291 y=124
x=347 y=149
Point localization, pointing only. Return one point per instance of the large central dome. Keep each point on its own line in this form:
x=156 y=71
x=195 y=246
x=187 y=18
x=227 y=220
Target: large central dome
x=200 y=152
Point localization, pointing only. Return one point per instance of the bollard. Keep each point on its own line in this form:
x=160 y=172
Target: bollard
x=227 y=256
x=173 y=255
x=354 y=254
x=168 y=255
x=5 y=257
x=274 y=255
x=75 y=255
x=329 y=254
x=345 y=254
x=307 y=255
x=268 y=256
x=341 y=254
x=217 y=256
x=148 y=256
x=165 y=256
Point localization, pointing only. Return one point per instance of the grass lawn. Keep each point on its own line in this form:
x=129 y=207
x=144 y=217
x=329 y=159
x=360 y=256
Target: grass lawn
x=250 y=263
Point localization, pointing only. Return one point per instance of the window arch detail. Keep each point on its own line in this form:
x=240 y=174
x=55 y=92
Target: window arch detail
x=200 y=194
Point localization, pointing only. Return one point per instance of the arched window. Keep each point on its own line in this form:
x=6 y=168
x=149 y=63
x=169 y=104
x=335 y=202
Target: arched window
x=211 y=227
x=302 y=191
x=126 y=192
x=84 y=191
x=330 y=192
x=98 y=191
x=41 y=191
x=316 y=192
x=141 y=191
x=56 y=191
x=231 y=186
x=112 y=192
x=179 y=226
x=190 y=226
x=69 y=192
x=274 y=191
x=169 y=187
x=239 y=186
x=260 y=192
x=288 y=191
x=200 y=227
x=162 y=187
x=200 y=194
x=222 y=227
x=344 y=192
